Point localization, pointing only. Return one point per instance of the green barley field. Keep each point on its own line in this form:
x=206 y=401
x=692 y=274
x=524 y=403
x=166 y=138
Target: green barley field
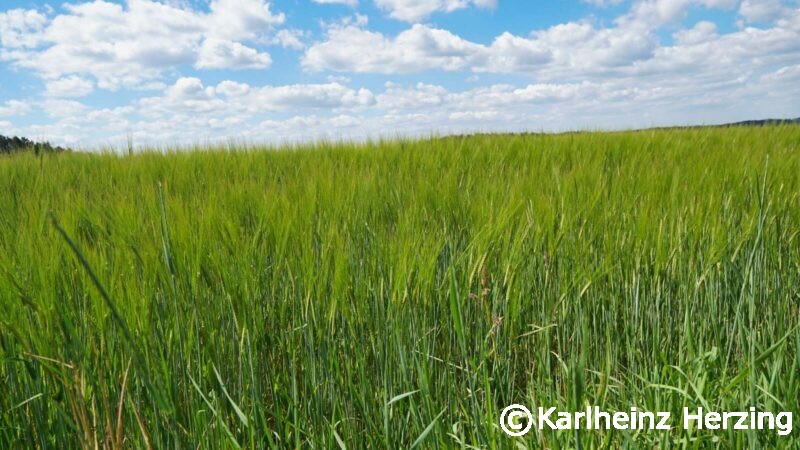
x=401 y=293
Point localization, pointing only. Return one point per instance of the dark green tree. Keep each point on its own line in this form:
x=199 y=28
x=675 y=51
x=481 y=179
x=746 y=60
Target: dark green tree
x=17 y=144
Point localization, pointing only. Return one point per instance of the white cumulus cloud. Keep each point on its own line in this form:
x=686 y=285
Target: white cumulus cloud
x=71 y=86
x=20 y=28
x=221 y=54
x=762 y=10
x=351 y=3
x=416 y=10
x=578 y=50
x=241 y=19
x=14 y=108
x=131 y=44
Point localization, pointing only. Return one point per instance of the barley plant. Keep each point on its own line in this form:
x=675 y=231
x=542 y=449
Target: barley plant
x=400 y=293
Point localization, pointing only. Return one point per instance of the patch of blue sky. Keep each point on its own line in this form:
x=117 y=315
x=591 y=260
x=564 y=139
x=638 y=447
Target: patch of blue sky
x=554 y=97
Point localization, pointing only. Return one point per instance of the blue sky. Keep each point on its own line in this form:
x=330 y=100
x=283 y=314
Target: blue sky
x=96 y=73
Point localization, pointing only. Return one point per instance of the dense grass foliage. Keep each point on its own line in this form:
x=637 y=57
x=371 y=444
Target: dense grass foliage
x=400 y=293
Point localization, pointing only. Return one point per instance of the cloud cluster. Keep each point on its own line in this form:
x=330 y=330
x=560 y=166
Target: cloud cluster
x=129 y=45
x=762 y=10
x=189 y=95
x=189 y=111
x=416 y=10
x=574 y=50
x=653 y=64
x=14 y=108
x=351 y=3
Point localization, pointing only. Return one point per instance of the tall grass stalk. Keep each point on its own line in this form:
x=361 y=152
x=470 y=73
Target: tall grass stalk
x=400 y=293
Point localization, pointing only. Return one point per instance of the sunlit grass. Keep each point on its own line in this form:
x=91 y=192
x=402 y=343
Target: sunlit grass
x=400 y=293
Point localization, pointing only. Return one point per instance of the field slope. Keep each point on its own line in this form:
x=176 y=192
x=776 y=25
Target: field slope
x=400 y=293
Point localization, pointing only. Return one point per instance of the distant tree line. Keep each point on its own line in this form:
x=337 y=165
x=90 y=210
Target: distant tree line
x=16 y=144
